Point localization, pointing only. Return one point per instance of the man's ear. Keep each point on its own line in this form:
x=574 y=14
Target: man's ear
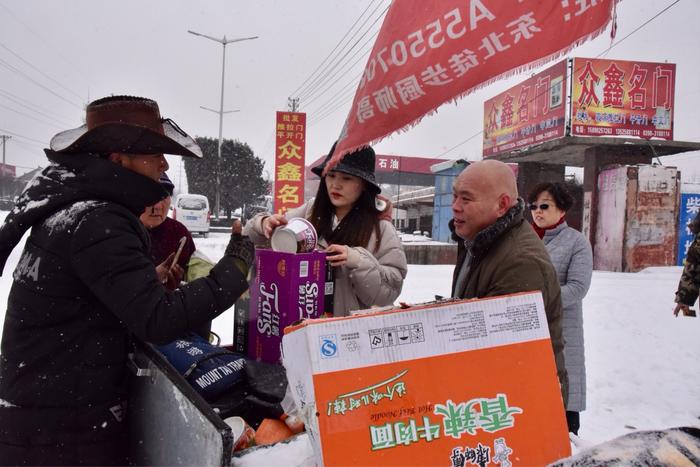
x=504 y=204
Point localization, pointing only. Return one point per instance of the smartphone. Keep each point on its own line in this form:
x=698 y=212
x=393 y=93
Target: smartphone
x=180 y=246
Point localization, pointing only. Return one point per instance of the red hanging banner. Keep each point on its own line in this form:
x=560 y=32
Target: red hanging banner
x=429 y=52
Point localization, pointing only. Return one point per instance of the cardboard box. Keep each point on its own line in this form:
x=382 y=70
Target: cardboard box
x=459 y=383
x=287 y=287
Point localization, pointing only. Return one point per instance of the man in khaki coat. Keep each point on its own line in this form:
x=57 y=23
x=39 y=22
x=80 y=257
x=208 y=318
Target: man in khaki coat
x=500 y=253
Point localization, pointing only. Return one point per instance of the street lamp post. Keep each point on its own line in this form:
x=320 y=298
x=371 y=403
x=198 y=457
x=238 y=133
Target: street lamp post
x=223 y=41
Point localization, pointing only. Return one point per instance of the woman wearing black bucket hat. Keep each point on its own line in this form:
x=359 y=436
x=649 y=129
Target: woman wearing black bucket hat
x=365 y=250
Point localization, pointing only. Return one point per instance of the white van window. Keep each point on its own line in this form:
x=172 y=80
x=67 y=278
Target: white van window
x=194 y=204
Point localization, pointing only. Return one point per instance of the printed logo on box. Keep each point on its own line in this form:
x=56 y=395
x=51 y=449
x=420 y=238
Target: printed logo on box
x=268 y=321
x=308 y=300
x=328 y=346
x=396 y=335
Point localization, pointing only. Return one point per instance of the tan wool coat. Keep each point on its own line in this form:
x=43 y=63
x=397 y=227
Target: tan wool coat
x=369 y=278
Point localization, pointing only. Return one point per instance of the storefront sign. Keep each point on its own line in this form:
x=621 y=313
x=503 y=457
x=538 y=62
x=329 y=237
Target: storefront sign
x=622 y=98
x=530 y=113
x=289 y=160
x=690 y=206
x=7 y=170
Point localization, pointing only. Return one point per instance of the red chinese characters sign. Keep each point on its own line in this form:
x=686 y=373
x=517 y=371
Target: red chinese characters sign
x=532 y=112
x=290 y=150
x=429 y=52
x=621 y=98
x=7 y=170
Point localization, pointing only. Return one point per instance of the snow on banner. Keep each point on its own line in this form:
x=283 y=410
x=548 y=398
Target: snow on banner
x=429 y=52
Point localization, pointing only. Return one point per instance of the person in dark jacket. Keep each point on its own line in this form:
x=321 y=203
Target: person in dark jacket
x=165 y=234
x=501 y=254
x=85 y=287
x=689 y=284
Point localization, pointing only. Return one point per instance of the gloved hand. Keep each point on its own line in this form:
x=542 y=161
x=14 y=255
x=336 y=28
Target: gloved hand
x=242 y=250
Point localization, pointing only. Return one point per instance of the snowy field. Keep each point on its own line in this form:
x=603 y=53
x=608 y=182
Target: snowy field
x=643 y=364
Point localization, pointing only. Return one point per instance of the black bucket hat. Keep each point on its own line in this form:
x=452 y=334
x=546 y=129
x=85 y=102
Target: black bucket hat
x=360 y=163
x=126 y=124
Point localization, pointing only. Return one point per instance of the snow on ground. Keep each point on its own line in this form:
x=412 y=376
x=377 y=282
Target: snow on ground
x=643 y=363
x=413 y=239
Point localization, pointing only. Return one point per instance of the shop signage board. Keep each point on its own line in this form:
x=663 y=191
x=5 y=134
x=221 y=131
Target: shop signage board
x=623 y=98
x=531 y=112
x=690 y=206
x=290 y=153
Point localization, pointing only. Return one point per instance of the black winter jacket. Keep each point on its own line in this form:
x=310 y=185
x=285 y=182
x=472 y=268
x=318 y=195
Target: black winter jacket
x=85 y=284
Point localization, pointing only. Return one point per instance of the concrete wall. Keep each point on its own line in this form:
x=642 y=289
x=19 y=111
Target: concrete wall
x=637 y=224
x=430 y=253
x=652 y=218
x=612 y=200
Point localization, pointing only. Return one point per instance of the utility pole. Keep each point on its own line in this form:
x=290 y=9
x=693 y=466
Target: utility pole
x=293 y=103
x=4 y=139
x=223 y=41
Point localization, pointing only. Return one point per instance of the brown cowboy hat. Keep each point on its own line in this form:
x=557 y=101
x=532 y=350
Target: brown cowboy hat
x=126 y=124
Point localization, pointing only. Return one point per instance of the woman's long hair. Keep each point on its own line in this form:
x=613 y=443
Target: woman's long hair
x=356 y=227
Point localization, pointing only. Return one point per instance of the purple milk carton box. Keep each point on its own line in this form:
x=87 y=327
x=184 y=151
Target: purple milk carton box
x=287 y=287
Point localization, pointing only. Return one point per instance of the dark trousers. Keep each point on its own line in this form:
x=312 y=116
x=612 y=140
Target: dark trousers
x=106 y=452
x=573 y=421
x=63 y=436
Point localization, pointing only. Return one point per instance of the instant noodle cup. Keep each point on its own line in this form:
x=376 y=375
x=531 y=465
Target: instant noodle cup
x=298 y=236
x=272 y=431
x=243 y=434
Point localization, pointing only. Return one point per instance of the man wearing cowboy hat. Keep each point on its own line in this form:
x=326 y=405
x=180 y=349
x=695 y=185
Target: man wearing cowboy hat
x=85 y=284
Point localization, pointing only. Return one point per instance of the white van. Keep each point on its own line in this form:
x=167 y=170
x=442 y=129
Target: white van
x=193 y=212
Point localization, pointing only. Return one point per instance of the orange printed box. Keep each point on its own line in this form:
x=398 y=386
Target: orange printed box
x=458 y=384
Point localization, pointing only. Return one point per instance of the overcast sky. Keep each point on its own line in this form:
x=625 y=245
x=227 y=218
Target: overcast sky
x=57 y=55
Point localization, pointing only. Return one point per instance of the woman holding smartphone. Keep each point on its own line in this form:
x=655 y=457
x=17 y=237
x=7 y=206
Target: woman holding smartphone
x=364 y=249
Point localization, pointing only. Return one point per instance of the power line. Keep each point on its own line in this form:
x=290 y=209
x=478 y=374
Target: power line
x=24 y=137
x=72 y=66
x=363 y=54
x=33 y=107
x=569 y=75
x=314 y=85
x=334 y=49
x=331 y=100
x=331 y=105
x=347 y=97
x=21 y=73
x=39 y=71
x=25 y=148
x=30 y=116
